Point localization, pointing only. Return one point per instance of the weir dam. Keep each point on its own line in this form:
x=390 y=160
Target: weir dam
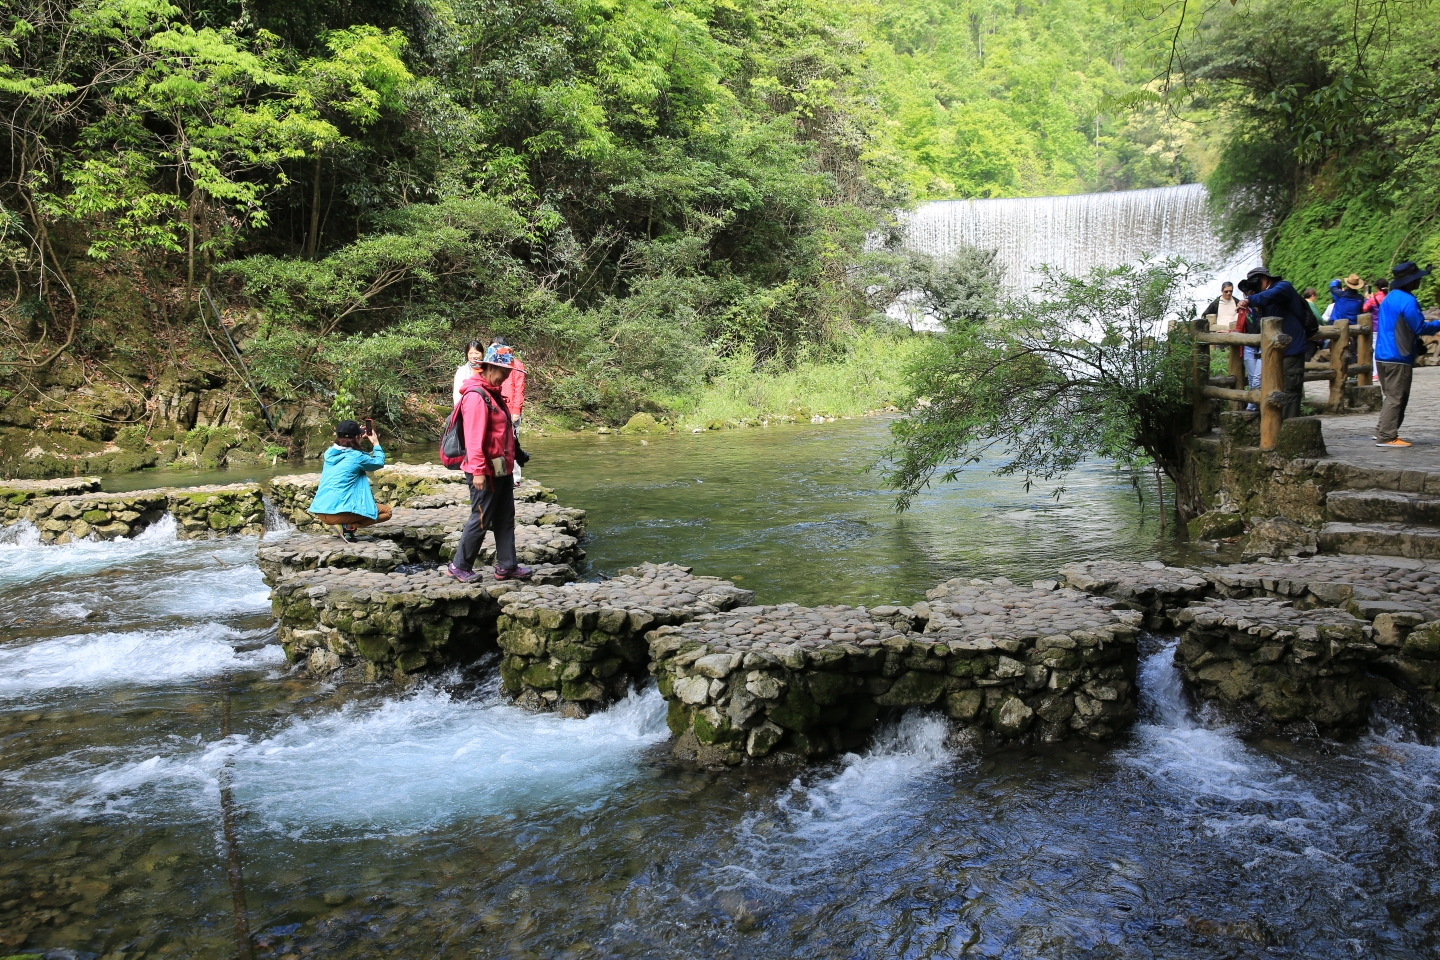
x=1077 y=233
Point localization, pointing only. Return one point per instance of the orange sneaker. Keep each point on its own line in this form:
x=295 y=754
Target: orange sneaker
x=1397 y=442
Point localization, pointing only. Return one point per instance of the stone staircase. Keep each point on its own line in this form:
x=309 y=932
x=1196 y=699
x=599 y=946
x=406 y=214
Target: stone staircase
x=1382 y=523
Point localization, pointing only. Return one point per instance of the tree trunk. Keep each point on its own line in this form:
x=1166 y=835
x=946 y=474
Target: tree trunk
x=312 y=238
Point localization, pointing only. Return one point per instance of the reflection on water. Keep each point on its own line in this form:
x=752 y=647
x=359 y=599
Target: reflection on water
x=796 y=513
x=441 y=822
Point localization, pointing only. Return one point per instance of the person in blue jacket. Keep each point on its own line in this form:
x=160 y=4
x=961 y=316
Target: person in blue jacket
x=343 y=498
x=1348 y=299
x=1398 y=329
x=1277 y=298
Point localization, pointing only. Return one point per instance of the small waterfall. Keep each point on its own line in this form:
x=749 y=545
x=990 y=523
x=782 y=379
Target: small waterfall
x=275 y=521
x=1077 y=233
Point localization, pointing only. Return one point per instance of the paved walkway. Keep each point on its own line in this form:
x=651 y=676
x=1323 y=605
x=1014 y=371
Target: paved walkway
x=1351 y=437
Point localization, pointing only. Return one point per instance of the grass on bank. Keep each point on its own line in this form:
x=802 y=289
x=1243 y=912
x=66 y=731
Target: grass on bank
x=864 y=375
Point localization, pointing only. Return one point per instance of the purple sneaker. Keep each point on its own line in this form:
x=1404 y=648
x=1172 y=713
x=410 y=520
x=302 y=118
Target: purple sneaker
x=464 y=576
x=514 y=573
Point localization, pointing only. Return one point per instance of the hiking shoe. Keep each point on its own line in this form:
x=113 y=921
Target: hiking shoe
x=464 y=576
x=514 y=573
x=1397 y=443
x=348 y=535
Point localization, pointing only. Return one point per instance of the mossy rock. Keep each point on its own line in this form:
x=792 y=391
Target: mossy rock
x=1216 y=526
x=1301 y=438
x=643 y=423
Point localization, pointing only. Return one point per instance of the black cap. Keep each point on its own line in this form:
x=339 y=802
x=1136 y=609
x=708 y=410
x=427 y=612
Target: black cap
x=1407 y=273
x=348 y=428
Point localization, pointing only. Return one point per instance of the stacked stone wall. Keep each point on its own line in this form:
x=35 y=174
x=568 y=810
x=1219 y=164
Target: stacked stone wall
x=15 y=495
x=203 y=513
x=1005 y=662
x=97 y=516
x=1289 y=665
x=576 y=647
x=395 y=623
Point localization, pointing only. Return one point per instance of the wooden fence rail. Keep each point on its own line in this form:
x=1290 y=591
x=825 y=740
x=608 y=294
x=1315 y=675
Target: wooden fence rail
x=1270 y=397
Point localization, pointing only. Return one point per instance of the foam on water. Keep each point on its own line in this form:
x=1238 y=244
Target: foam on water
x=29 y=670
x=393 y=766
x=849 y=811
x=1224 y=786
x=197 y=580
x=24 y=559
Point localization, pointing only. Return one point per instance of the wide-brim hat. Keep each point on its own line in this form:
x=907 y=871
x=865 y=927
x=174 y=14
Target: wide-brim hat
x=500 y=356
x=1406 y=273
x=1259 y=272
x=1354 y=282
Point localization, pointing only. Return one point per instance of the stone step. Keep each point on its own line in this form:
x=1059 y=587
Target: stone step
x=1383 y=539
x=1383 y=506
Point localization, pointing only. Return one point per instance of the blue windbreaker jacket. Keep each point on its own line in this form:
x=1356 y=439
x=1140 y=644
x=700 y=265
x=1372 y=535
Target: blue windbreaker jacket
x=344 y=486
x=1399 y=327
x=1282 y=301
x=1348 y=306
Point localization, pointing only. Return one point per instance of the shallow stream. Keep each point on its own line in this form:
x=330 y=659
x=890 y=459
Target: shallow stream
x=162 y=774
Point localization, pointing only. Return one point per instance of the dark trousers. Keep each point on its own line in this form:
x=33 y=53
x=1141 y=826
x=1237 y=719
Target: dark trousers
x=1395 y=385
x=1292 y=381
x=494 y=509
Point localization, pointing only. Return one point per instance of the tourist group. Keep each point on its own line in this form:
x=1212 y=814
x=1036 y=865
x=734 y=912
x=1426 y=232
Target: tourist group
x=1398 y=324
x=481 y=438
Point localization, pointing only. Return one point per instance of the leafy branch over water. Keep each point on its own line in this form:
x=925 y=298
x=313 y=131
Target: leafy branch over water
x=1084 y=368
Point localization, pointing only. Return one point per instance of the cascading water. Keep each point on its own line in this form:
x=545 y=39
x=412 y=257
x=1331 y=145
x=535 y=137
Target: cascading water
x=1077 y=233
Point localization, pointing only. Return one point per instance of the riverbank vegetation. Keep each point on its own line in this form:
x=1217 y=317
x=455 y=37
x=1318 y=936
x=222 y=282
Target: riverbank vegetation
x=643 y=196
x=1327 y=115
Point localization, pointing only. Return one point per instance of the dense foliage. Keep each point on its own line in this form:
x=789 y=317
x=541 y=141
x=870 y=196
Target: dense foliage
x=638 y=192
x=1327 y=112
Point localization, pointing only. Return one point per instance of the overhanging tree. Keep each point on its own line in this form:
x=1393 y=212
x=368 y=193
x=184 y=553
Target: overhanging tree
x=1086 y=368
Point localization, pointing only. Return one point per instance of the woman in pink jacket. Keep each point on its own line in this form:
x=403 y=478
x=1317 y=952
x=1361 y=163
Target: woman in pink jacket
x=513 y=390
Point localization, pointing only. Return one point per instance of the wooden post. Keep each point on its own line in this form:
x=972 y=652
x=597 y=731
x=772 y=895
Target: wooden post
x=1338 y=348
x=1365 y=348
x=1200 y=379
x=1237 y=370
x=1272 y=381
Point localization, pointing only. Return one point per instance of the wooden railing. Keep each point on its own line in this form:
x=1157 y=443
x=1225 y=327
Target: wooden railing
x=1271 y=396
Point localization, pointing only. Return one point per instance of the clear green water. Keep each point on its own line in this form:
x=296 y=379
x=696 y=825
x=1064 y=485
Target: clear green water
x=162 y=774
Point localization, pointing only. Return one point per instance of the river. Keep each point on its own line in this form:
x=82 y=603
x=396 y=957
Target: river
x=161 y=767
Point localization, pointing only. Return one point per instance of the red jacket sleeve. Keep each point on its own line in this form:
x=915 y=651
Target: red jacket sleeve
x=513 y=390
x=473 y=415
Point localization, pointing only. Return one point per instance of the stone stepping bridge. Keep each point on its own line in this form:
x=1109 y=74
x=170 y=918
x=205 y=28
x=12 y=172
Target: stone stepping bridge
x=576 y=647
x=16 y=494
x=398 y=484
x=431 y=536
x=1396 y=600
x=200 y=513
x=793 y=680
x=395 y=623
x=300 y=553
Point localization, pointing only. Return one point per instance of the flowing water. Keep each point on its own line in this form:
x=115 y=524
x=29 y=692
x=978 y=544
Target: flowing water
x=1077 y=233
x=162 y=774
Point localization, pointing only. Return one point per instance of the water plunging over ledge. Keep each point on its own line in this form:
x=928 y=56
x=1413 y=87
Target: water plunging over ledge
x=1077 y=233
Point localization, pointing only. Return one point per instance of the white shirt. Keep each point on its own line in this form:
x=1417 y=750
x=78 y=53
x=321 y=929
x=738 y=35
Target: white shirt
x=1225 y=314
x=462 y=373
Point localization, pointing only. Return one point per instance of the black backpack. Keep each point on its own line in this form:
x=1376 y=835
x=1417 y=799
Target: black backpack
x=452 y=441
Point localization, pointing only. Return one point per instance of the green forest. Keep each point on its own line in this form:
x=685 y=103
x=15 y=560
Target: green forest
x=227 y=222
